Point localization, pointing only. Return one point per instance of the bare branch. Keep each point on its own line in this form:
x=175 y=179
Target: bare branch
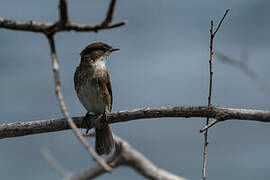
x=48 y=28
x=245 y=68
x=207 y=126
x=212 y=36
x=51 y=125
x=220 y=22
x=90 y=173
x=63 y=12
x=209 y=100
x=30 y=25
x=109 y=15
x=63 y=23
x=64 y=108
x=127 y=156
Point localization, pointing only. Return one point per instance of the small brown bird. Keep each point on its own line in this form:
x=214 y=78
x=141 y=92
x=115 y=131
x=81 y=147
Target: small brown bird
x=93 y=87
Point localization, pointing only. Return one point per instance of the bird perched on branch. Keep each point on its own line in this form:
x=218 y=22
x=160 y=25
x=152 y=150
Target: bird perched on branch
x=93 y=87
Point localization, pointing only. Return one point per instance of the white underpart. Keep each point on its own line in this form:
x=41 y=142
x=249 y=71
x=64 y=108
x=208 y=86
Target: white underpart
x=101 y=63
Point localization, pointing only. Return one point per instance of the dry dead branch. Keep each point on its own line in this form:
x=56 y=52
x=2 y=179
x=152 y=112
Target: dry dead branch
x=51 y=125
x=212 y=36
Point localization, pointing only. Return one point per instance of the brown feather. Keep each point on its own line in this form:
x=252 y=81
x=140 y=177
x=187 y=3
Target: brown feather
x=93 y=87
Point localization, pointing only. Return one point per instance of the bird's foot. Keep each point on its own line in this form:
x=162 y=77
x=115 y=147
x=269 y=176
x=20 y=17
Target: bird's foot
x=105 y=117
x=87 y=121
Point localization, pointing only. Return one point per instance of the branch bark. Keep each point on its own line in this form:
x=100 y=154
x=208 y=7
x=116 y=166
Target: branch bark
x=109 y=15
x=212 y=36
x=16 y=129
x=63 y=13
x=63 y=24
x=47 y=28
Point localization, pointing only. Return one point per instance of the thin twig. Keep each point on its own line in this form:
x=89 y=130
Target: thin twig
x=63 y=13
x=63 y=107
x=54 y=163
x=209 y=102
x=212 y=36
x=220 y=22
x=207 y=126
x=109 y=15
x=19 y=128
x=246 y=69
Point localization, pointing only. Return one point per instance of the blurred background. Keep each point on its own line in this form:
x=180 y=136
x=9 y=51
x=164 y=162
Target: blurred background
x=163 y=61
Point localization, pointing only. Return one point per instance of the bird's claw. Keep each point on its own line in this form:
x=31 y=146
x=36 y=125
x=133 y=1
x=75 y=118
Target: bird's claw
x=87 y=122
x=105 y=117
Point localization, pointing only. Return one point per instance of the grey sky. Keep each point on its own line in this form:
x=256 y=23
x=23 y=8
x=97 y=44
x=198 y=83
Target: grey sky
x=163 y=61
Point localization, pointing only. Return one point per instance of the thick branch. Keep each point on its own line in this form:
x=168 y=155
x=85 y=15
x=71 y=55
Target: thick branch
x=51 y=125
x=128 y=156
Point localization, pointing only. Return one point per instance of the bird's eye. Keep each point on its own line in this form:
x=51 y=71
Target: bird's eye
x=103 y=50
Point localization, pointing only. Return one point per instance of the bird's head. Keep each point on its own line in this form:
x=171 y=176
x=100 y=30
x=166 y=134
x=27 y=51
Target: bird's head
x=97 y=51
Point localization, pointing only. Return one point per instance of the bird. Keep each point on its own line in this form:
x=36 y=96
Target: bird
x=93 y=87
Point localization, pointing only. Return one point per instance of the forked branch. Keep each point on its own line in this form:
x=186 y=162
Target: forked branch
x=63 y=24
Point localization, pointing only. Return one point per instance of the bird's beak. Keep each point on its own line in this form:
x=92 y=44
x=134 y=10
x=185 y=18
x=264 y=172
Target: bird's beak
x=114 y=49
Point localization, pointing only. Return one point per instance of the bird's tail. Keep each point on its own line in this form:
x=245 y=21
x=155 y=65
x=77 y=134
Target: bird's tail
x=104 y=140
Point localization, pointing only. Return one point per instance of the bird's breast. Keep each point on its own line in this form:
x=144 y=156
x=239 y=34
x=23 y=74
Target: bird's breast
x=91 y=95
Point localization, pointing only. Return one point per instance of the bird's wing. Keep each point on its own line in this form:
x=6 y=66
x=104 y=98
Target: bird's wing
x=104 y=85
x=76 y=79
x=109 y=89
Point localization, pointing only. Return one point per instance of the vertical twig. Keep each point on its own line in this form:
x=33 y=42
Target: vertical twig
x=109 y=15
x=63 y=13
x=209 y=100
x=63 y=107
x=212 y=36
